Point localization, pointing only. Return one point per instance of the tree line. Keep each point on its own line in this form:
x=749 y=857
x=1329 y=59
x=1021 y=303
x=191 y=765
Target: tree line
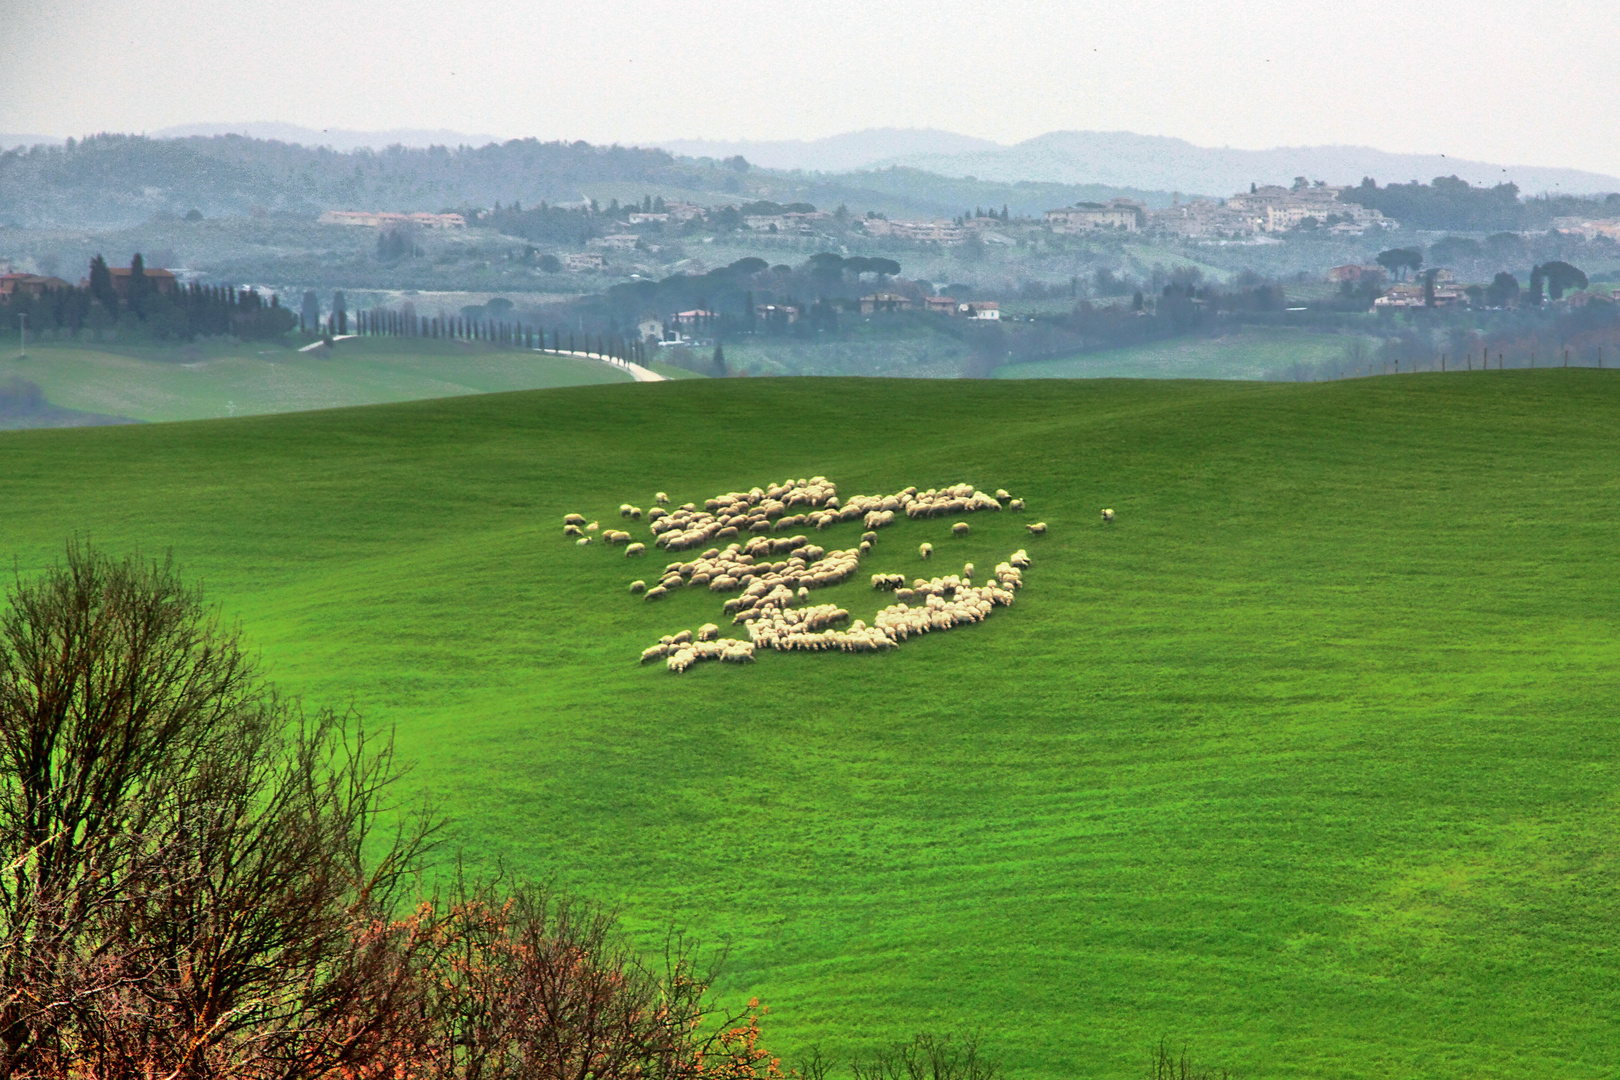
x=1450 y=203
x=146 y=310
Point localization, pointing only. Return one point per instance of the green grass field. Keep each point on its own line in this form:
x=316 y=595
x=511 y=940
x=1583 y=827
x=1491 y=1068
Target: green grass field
x=1251 y=354
x=1310 y=759
x=207 y=381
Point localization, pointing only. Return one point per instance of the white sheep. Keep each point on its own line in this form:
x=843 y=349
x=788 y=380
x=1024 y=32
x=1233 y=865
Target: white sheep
x=592 y=526
x=708 y=632
x=682 y=638
x=654 y=652
x=583 y=541
x=572 y=530
x=680 y=660
x=1037 y=528
x=635 y=551
x=1001 y=495
x=637 y=587
x=657 y=592
x=961 y=528
x=1016 y=504
x=661 y=499
x=1107 y=515
x=573 y=519
x=926 y=551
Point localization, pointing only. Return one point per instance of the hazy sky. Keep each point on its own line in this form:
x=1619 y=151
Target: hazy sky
x=1517 y=83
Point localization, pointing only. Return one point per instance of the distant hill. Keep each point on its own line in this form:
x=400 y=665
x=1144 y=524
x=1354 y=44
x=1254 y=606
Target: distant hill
x=836 y=153
x=336 y=138
x=1124 y=159
x=114 y=181
x=10 y=140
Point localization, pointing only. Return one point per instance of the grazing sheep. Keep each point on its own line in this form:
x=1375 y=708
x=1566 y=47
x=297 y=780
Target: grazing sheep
x=661 y=499
x=592 y=526
x=866 y=547
x=967 y=570
x=1037 y=528
x=869 y=538
x=635 y=550
x=682 y=638
x=708 y=632
x=572 y=530
x=654 y=652
x=573 y=519
x=680 y=660
x=583 y=541
x=1108 y=515
x=1001 y=495
x=657 y=592
x=624 y=509
x=926 y=551
x=637 y=587
x=635 y=513
x=961 y=528
x=1016 y=504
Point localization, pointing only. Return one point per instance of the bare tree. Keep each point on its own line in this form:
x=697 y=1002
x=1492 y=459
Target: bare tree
x=184 y=887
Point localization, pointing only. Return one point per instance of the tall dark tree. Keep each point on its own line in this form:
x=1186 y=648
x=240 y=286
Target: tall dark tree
x=1400 y=261
x=340 y=313
x=1503 y=291
x=719 y=361
x=138 y=284
x=309 y=314
x=1561 y=277
x=101 y=286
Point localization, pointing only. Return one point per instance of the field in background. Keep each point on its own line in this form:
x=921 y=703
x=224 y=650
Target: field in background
x=207 y=381
x=1309 y=759
x=1253 y=353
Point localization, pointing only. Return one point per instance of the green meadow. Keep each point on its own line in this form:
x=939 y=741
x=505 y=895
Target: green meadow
x=1252 y=353
x=197 y=382
x=1309 y=760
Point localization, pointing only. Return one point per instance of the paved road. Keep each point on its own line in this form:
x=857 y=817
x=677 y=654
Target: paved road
x=637 y=372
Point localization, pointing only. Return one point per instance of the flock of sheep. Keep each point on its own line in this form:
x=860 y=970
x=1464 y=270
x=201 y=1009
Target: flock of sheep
x=771 y=573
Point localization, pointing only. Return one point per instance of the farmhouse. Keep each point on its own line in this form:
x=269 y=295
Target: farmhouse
x=29 y=284
x=615 y=242
x=1124 y=214
x=884 y=302
x=581 y=261
x=938 y=231
x=156 y=278
x=980 y=309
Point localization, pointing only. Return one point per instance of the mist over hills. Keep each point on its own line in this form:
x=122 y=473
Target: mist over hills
x=837 y=153
x=1159 y=162
x=342 y=139
x=116 y=181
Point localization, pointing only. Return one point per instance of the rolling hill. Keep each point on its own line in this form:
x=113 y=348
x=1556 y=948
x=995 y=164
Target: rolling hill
x=1125 y=158
x=1309 y=759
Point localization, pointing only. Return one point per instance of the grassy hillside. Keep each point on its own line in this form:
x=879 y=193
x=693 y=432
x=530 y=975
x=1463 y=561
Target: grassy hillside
x=206 y=381
x=1251 y=354
x=1309 y=759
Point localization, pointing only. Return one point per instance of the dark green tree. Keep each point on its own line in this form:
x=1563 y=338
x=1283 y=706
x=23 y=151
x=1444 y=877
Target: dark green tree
x=139 y=287
x=1561 y=277
x=719 y=361
x=1400 y=261
x=101 y=286
x=1503 y=291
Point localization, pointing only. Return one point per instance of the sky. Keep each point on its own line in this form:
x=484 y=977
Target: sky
x=1513 y=83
